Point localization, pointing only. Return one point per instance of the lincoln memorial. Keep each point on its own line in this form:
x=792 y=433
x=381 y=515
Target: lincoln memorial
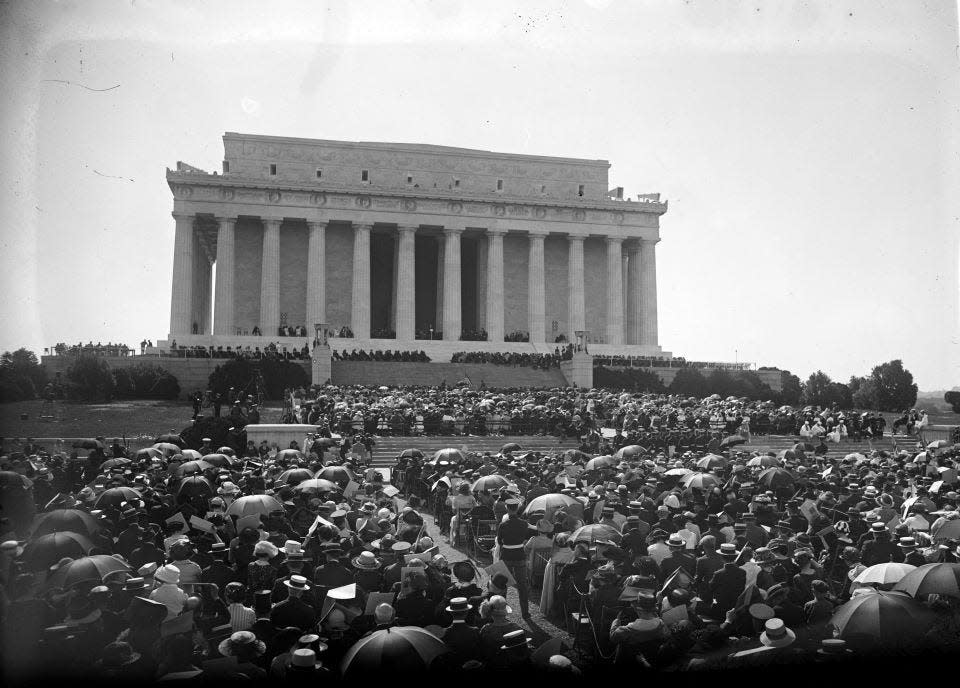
x=401 y=246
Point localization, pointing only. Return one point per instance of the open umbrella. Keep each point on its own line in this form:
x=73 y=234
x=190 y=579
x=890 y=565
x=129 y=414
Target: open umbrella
x=170 y=438
x=289 y=455
x=678 y=472
x=114 y=463
x=929 y=579
x=575 y=455
x=73 y=520
x=227 y=451
x=776 y=477
x=147 y=454
x=219 y=460
x=549 y=503
x=885 y=618
x=397 y=651
x=449 y=454
x=938 y=444
x=88 y=444
x=732 y=441
x=700 y=481
x=788 y=455
x=294 y=476
x=254 y=504
x=411 y=454
x=711 y=461
x=341 y=475
x=195 y=485
x=490 y=482
x=93 y=568
x=167 y=448
x=510 y=447
x=115 y=496
x=629 y=452
x=948 y=531
x=45 y=551
x=597 y=532
x=884 y=574
x=316 y=486
x=191 y=467
x=599 y=462
x=191 y=454
x=765 y=461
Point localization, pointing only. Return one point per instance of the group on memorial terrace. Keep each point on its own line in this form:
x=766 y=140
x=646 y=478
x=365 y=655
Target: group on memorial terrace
x=248 y=352
x=544 y=361
x=388 y=355
x=282 y=331
x=91 y=349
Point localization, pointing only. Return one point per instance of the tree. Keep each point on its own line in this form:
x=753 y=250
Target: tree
x=864 y=393
x=896 y=390
x=21 y=375
x=239 y=373
x=633 y=379
x=953 y=398
x=792 y=388
x=720 y=382
x=689 y=382
x=816 y=389
x=89 y=378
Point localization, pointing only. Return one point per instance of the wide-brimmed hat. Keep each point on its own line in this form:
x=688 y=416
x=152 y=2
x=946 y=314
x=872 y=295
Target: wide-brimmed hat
x=458 y=604
x=728 y=550
x=885 y=500
x=776 y=634
x=834 y=647
x=907 y=543
x=134 y=585
x=514 y=640
x=265 y=547
x=366 y=561
x=761 y=611
x=878 y=526
x=463 y=571
x=676 y=541
x=169 y=574
x=239 y=641
x=297 y=583
x=764 y=555
x=369 y=507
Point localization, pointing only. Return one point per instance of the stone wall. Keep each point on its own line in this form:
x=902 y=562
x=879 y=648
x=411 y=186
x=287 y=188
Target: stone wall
x=413 y=167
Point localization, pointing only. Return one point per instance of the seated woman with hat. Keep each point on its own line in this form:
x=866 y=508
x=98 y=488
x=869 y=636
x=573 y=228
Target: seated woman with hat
x=638 y=631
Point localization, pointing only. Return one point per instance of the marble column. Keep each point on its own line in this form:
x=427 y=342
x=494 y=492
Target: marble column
x=452 y=323
x=633 y=295
x=223 y=313
x=316 y=274
x=648 y=292
x=406 y=283
x=181 y=302
x=270 y=278
x=495 y=285
x=360 y=303
x=536 y=318
x=201 y=289
x=614 y=291
x=438 y=314
x=577 y=316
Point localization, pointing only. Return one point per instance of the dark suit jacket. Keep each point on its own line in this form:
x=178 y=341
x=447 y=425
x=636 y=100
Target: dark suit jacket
x=463 y=641
x=726 y=586
x=707 y=565
x=293 y=612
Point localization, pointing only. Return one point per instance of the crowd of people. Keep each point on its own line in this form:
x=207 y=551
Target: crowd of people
x=254 y=562
x=91 y=349
x=517 y=336
x=272 y=351
x=388 y=355
x=542 y=361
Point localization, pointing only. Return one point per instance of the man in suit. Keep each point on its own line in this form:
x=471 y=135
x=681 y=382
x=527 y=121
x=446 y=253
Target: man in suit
x=880 y=549
x=218 y=572
x=462 y=638
x=333 y=574
x=293 y=611
x=678 y=558
x=755 y=535
x=728 y=583
x=708 y=564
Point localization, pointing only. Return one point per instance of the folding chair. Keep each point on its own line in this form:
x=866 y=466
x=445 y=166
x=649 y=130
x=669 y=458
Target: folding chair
x=537 y=565
x=462 y=535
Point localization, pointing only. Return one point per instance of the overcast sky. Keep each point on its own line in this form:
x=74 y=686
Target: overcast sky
x=808 y=150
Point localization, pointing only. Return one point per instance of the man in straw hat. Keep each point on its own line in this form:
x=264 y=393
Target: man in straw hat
x=293 y=611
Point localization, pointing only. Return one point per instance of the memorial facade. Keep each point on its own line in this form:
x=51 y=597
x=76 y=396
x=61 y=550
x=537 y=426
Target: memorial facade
x=409 y=247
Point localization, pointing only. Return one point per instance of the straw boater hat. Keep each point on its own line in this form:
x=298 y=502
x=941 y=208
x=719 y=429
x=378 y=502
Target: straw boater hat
x=728 y=551
x=239 y=641
x=776 y=634
x=514 y=640
x=366 y=561
x=297 y=583
x=458 y=604
x=676 y=541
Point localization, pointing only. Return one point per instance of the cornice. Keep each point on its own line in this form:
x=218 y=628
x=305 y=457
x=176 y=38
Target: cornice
x=182 y=183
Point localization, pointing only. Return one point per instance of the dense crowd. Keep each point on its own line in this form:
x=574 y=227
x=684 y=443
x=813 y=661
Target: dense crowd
x=542 y=361
x=388 y=355
x=254 y=562
x=517 y=336
x=91 y=349
x=272 y=351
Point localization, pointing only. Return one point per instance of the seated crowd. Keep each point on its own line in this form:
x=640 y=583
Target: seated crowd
x=543 y=361
x=91 y=349
x=388 y=355
x=270 y=351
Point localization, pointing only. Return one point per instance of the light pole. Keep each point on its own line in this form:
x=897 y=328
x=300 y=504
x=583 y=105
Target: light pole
x=431 y=333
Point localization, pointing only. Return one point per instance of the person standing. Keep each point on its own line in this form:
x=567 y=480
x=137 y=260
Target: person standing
x=512 y=535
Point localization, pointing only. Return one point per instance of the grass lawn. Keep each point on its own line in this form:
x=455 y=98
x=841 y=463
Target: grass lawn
x=133 y=419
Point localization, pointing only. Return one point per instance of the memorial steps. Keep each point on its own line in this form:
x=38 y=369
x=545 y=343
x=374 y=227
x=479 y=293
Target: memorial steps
x=376 y=373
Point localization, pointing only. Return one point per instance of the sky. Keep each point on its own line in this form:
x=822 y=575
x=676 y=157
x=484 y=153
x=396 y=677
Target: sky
x=808 y=150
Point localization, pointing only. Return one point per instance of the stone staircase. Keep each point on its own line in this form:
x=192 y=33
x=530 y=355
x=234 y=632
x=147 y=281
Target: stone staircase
x=375 y=373
x=388 y=448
